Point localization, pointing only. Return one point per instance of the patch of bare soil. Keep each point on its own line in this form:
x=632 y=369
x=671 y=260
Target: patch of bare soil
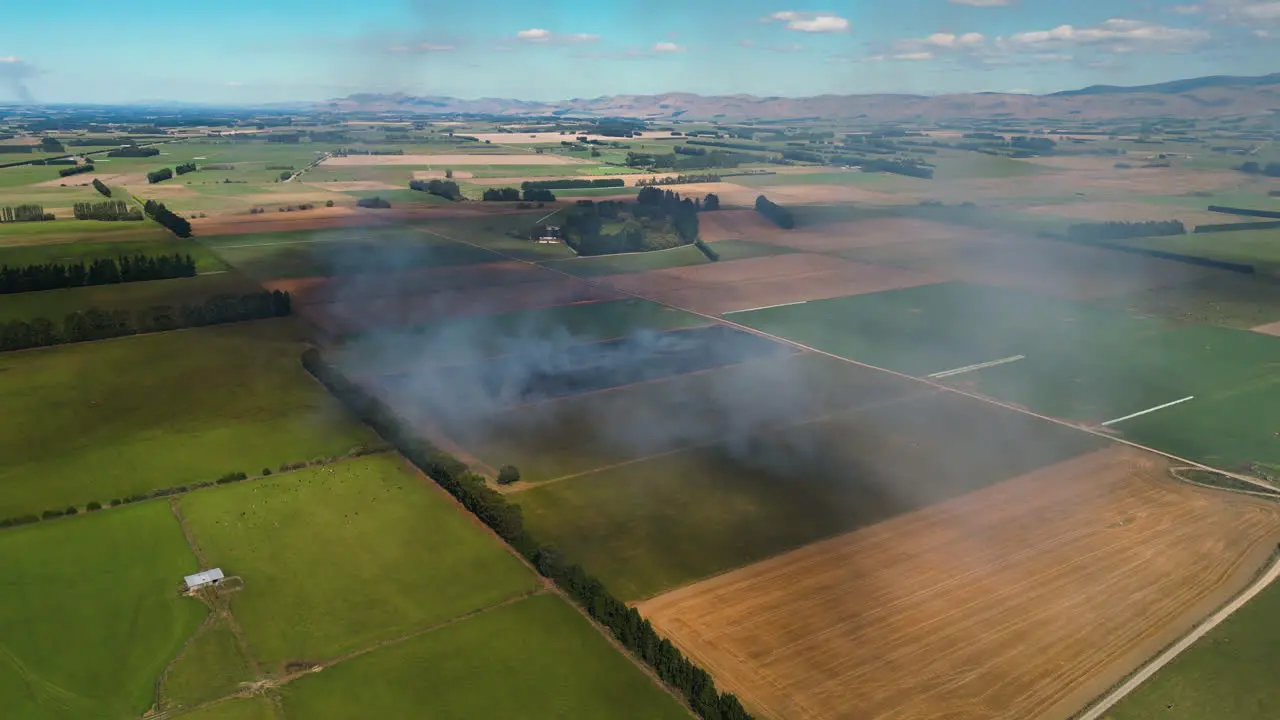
x=437 y=175
x=865 y=233
x=1021 y=600
x=1269 y=329
x=757 y=282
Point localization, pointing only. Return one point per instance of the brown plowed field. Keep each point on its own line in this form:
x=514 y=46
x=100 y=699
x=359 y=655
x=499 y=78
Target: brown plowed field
x=735 y=224
x=406 y=309
x=1021 y=600
x=312 y=290
x=757 y=282
x=867 y=233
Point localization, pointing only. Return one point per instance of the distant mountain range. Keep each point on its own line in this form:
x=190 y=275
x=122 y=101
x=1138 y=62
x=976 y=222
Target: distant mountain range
x=1214 y=96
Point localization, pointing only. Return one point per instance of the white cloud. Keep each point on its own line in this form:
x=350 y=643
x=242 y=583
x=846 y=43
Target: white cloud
x=793 y=47
x=746 y=43
x=1266 y=11
x=949 y=40
x=811 y=22
x=544 y=36
x=534 y=35
x=424 y=47
x=1116 y=34
x=901 y=57
x=233 y=83
x=983 y=3
x=10 y=59
x=1187 y=9
x=667 y=47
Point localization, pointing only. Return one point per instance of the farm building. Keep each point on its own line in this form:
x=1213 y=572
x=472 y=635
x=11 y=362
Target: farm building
x=548 y=234
x=203 y=578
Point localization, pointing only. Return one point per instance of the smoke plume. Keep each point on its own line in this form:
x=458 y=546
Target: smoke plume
x=14 y=72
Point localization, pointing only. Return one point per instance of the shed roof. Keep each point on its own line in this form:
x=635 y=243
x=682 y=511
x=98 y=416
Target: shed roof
x=203 y=578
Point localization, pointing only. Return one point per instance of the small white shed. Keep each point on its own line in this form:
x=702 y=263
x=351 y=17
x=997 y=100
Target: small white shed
x=202 y=578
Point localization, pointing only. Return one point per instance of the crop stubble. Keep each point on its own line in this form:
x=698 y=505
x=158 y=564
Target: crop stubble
x=1023 y=599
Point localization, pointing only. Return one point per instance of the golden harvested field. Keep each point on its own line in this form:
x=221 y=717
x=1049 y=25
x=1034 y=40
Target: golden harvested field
x=485 y=159
x=868 y=233
x=1021 y=600
x=1102 y=211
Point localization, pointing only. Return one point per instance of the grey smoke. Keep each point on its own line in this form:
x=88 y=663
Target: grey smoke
x=14 y=74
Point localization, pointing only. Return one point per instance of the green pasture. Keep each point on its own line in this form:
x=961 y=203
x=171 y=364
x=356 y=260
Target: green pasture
x=961 y=165
x=682 y=256
x=146 y=242
x=338 y=558
x=92 y=235
x=210 y=666
x=106 y=419
x=461 y=340
x=589 y=193
x=1083 y=362
x=335 y=251
x=16 y=177
x=397 y=197
x=537 y=658
x=503 y=234
x=658 y=524
x=1226 y=674
x=57 y=200
x=578 y=434
x=92 y=612
x=1254 y=247
x=57 y=304
x=1221 y=298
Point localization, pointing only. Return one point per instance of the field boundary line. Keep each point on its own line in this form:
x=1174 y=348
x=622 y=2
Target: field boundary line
x=765 y=307
x=1144 y=412
x=1266 y=575
x=975 y=366
x=858 y=363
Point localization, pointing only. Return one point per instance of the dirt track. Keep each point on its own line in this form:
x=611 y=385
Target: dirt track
x=1021 y=600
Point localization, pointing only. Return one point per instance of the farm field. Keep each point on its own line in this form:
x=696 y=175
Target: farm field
x=553 y=664
x=682 y=256
x=75 y=251
x=1101 y=373
x=308 y=597
x=130 y=561
x=656 y=524
x=101 y=420
x=980 y=606
x=1221 y=675
x=1255 y=247
x=1228 y=299
x=340 y=251
x=56 y=304
x=250 y=708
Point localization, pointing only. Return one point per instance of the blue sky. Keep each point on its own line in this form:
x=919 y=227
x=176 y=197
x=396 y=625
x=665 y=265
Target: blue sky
x=230 y=51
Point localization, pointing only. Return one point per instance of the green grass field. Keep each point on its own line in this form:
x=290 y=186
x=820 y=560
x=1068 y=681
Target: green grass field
x=537 y=658
x=56 y=304
x=91 y=612
x=960 y=164
x=1083 y=362
x=101 y=420
x=337 y=558
x=145 y=242
x=505 y=234
x=658 y=524
x=210 y=666
x=309 y=253
x=1227 y=674
x=251 y=708
x=1255 y=247
x=459 y=340
x=1230 y=299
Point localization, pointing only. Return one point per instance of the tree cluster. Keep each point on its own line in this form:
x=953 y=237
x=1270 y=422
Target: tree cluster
x=665 y=204
x=75 y=170
x=1033 y=144
x=679 y=180
x=508 y=194
x=1253 y=168
x=776 y=214
x=177 y=225
x=711 y=202
x=160 y=175
x=373 y=202
x=24 y=213
x=97 y=324
x=51 y=145
x=730 y=145
x=538 y=195
x=713 y=159
x=106 y=210
x=105 y=271
x=1246 y=211
x=626 y=624
x=1232 y=227
x=1117 y=230
x=707 y=250
x=572 y=184
x=287 y=138
x=101 y=187
x=184 y=168
x=133 y=151
x=446 y=189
